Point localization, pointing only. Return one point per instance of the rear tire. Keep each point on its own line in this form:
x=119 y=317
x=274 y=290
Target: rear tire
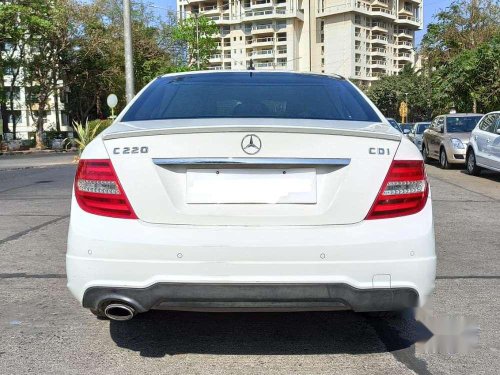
x=443 y=159
x=470 y=163
x=425 y=154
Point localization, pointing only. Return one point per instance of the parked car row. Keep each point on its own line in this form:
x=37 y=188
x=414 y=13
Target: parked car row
x=472 y=140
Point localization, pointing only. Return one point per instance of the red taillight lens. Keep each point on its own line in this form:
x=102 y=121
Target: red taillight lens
x=99 y=192
x=404 y=191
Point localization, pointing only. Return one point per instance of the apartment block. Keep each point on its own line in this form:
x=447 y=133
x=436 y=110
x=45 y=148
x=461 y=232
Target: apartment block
x=359 y=39
x=23 y=111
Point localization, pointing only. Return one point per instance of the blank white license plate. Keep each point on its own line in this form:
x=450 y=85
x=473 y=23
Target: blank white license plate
x=297 y=185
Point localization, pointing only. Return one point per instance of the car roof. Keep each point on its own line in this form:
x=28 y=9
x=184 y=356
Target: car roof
x=273 y=72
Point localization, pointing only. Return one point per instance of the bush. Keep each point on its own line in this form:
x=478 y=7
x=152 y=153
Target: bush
x=86 y=133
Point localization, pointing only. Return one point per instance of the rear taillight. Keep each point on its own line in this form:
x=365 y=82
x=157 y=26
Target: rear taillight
x=404 y=191
x=99 y=192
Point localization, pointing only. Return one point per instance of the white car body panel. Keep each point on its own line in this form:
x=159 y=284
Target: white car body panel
x=344 y=196
x=176 y=241
x=486 y=144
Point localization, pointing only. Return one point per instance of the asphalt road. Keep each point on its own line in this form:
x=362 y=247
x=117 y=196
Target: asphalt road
x=43 y=330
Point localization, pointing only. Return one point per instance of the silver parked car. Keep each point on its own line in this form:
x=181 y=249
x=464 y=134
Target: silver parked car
x=416 y=134
x=447 y=138
x=484 y=145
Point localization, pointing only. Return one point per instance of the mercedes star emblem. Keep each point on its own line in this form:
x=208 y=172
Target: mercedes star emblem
x=251 y=144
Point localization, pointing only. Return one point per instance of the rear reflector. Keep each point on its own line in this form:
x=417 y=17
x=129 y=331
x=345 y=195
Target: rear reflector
x=99 y=192
x=404 y=191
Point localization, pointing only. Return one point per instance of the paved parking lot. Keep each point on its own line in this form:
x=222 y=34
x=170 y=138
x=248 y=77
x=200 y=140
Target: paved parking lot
x=44 y=331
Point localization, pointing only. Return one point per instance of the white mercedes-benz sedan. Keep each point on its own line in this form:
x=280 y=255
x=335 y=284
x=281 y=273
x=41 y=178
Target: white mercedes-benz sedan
x=249 y=191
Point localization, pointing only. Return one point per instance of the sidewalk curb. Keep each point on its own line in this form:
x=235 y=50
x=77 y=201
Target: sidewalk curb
x=40 y=152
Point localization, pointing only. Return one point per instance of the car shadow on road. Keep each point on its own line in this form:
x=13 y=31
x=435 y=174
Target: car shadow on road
x=160 y=333
x=486 y=174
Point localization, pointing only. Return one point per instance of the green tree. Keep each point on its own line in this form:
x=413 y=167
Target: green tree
x=388 y=92
x=461 y=55
x=470 y=80
x=197 y=33
x=464 y=25
x=16 y=20
x=51 y=45
x=99 y=64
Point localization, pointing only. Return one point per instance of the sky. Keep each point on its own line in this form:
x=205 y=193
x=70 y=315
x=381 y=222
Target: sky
x=431 y=7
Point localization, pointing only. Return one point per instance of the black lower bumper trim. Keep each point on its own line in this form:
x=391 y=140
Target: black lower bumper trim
x=237 y=296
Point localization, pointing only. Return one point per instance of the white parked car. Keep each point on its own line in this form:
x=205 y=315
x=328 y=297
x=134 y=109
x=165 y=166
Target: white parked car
x=250 y=190
x=483 y=150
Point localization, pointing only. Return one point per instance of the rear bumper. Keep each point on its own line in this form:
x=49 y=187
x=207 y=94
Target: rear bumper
x=189 y=296
x=371 y=265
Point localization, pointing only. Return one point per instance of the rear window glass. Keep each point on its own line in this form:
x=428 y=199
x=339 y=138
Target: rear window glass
x=461 y=124
x=251 y=95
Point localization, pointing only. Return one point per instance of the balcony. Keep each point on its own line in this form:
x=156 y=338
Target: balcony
x=281 y=40
x=404 y=19
x=342 y=8
x=382 y=12
x=259 y=42
x=281 y=65
x=258 y=14
x=209 y=9
x=216 y=67
x=379 y=26
x=405 y=45
x=404 y=33
x=408 y=11
x=381 y=3
x=261 y=54
x=379 y=39
x=256 y=4
x=262 y=29
x=215 y=58
x=378 y=64
x=404 y=56
x=378 y=51
x=281 y=52
x=281 y=26
x=264 y=65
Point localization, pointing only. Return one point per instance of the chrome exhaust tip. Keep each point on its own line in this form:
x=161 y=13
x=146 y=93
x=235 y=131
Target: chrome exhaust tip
x=119 y=311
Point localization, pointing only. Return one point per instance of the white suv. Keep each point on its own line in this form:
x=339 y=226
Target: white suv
x=484 y=145
x=250 y=190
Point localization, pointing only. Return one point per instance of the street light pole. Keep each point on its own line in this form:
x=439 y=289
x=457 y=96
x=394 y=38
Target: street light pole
x=129 y=59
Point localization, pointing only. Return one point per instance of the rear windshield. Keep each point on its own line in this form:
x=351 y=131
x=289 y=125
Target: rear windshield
x=461 y=124
x=251 y=95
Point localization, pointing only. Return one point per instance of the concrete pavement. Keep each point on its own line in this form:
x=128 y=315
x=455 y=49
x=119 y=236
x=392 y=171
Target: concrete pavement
x=35 y=160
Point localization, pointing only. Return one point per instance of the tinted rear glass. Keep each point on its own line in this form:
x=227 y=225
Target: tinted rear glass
x=461 y=124
x=251 y=95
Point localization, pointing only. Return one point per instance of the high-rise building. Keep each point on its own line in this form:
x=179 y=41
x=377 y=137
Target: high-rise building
x=359 y=39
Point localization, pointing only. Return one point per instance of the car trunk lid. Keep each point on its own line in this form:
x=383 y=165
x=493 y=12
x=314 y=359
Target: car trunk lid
x=313 y=172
